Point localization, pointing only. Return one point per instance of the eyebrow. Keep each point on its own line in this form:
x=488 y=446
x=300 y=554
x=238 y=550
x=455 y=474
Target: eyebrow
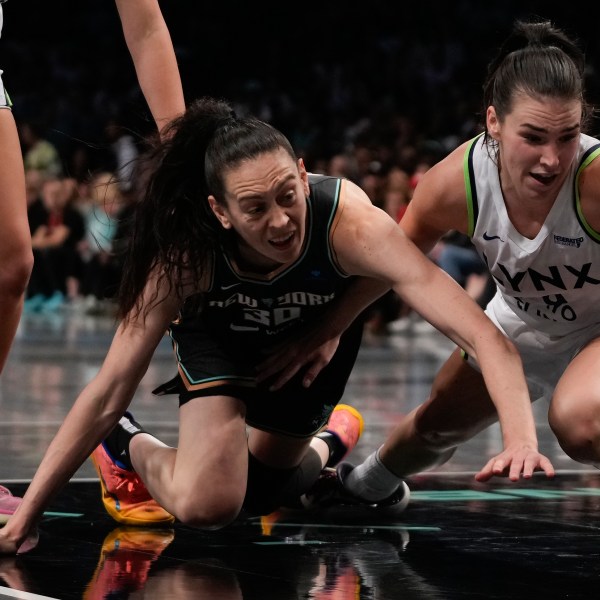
x=251 y=198
x=544 y=130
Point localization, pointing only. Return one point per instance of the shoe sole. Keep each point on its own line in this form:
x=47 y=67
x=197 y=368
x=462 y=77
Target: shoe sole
x=117 y=515
x=399 y=507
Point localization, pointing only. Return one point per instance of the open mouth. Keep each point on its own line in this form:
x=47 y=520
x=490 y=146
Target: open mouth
x=282 y=242
x=544 y=179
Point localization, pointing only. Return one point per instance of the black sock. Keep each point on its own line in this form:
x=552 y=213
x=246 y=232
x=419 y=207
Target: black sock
x=117 y=441
x=335 y=445
x=270 y=488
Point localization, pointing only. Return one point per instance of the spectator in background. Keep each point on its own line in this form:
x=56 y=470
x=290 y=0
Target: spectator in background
x=34 y=179
x=38 y=152
x=102 y=266
x=342 y=165
x=394 y=189
x=396 y=193
x=124 y=153
x=56 y=228
x=456 y=254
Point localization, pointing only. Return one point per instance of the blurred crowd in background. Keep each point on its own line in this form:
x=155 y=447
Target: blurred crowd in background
x=376 y=92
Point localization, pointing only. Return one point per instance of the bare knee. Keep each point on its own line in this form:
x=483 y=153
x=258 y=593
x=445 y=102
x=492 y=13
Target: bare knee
x=213 y=513
x=577 y=429
x=14 y=275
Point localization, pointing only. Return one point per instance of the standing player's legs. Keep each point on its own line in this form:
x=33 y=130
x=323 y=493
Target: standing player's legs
x=574 y=414
x=16 y=258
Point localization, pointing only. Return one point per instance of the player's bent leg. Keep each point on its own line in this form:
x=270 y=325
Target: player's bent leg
x=459 y=407
x=202 y=482
x=270 y=488
x=284 y=468
x=124 y=495
x=574 y=414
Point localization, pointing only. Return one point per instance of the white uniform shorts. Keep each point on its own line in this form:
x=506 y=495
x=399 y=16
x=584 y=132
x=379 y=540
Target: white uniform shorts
x=544 y=357
x=4 y=102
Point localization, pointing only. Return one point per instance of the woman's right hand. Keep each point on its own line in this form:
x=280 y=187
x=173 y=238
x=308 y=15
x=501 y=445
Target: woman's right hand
x=12 y=545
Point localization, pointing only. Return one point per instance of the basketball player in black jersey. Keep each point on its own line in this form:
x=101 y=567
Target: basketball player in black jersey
x=236 y=249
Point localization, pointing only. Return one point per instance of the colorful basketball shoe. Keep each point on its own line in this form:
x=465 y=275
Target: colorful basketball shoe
x=347 y=424
x=124 y=494
x=8 y=504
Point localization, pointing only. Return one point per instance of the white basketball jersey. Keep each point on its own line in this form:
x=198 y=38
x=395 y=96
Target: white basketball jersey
x=551 y=282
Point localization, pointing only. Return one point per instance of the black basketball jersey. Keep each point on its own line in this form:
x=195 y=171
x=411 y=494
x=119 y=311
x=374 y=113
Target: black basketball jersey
x=248 y=314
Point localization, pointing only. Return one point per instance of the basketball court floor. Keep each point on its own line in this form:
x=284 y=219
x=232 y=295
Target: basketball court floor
x=457 y=540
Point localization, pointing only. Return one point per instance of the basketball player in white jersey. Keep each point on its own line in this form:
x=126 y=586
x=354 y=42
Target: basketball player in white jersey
x=527 y=193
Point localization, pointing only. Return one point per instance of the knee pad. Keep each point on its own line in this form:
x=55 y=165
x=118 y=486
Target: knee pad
x=269 y=488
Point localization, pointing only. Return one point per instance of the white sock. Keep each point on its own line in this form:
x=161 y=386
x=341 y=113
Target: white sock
x=372 y=480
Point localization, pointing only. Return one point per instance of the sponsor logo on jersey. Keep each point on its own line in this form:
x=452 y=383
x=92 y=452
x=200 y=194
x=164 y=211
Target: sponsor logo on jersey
x=567 y=241
x=488 y=238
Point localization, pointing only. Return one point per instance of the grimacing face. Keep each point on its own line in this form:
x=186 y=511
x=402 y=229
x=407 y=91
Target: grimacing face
x=265 y=204
x=538 y=141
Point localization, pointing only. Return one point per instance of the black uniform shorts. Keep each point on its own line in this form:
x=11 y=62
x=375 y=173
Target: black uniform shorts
x=293 y=410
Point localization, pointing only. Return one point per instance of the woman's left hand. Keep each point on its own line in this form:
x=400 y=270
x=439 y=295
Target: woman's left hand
x=516 y=461
x=310 y=351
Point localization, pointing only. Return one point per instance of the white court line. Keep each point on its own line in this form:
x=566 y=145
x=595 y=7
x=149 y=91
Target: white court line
x=8 y=593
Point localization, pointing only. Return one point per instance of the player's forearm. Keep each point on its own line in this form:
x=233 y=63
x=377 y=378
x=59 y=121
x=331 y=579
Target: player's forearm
x=502 y=369
x=159 y=79
x=151 y=48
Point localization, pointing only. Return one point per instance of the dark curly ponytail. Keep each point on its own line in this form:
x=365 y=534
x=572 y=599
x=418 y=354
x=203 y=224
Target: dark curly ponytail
x=174 y=229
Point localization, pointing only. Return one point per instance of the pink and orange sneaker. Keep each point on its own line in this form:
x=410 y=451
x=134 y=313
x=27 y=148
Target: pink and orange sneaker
x=8 y=504
x=347 y=424
x=124 y=494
